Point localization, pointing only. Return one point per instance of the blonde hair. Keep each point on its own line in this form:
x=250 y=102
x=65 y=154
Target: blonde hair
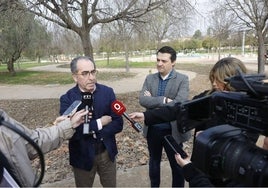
x=225 y=68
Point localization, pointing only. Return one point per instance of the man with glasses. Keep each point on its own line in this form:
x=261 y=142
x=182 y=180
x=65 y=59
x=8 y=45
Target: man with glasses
x=94 y=152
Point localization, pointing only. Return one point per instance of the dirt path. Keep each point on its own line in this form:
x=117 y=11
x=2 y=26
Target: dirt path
x=120 y=86
x=55 y=91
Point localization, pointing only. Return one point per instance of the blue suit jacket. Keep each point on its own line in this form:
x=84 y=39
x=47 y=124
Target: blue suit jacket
x=81 y=147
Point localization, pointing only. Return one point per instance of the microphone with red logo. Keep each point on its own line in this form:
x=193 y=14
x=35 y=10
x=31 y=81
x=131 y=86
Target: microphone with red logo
x=120 y=109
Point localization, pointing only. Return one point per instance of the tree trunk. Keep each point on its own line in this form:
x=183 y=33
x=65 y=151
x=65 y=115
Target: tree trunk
x=158 y=44
x=10 y=67
x=108 y=58
x=219 y=50
x=86 y=43
x=261 y=53
x=126 y=56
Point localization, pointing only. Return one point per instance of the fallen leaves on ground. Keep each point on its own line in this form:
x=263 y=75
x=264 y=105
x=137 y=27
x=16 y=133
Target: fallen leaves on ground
x=132 y=146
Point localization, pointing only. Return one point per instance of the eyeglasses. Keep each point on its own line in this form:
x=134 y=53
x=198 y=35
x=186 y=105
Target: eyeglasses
x=88 y=73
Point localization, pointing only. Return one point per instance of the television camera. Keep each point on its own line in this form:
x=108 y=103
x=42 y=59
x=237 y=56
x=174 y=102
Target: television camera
x=227 y=149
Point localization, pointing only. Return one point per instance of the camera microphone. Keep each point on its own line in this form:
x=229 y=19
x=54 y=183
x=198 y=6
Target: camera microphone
x=87 y=101
x=119 y=108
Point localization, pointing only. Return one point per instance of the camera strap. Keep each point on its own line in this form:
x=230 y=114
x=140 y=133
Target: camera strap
x=32 y=143
x=7 y=178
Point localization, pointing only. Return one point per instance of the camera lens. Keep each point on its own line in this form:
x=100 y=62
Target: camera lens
x=226 y=152
x=245 y=162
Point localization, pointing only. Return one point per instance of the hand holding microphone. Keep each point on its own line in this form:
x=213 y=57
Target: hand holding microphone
x=120 y=109
x=77 y=119
x=137 y=116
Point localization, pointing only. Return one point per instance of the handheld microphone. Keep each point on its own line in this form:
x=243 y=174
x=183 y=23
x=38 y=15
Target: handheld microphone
x=87 y=101
x=72 y=109
x=119 y=108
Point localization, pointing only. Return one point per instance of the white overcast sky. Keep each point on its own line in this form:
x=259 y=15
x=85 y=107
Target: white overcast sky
x=201 y=21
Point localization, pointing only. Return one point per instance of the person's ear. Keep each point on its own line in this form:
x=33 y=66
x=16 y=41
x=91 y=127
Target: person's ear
x=74 y=77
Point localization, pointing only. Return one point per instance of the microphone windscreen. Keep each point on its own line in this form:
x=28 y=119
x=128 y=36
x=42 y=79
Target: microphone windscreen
x=87 y=98
x=118 y=107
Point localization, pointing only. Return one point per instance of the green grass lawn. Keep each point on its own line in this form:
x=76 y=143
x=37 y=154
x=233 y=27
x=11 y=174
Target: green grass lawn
x=23 y=65
x=118 y=63
x=44 y=78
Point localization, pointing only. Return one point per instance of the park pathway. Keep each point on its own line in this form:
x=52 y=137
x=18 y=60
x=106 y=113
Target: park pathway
x=55 y=90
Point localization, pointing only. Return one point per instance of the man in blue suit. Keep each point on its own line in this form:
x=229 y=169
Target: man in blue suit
x=94 y=152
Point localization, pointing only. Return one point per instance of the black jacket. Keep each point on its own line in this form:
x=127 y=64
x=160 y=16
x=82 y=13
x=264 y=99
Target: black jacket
x=195 y=177
x=171 y=113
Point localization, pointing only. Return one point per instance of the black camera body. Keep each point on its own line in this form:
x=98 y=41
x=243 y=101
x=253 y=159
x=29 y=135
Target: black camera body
x=234 y=108
x=227 y=149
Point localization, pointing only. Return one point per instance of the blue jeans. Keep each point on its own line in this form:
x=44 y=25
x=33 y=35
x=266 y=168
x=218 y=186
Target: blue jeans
x=156 y=143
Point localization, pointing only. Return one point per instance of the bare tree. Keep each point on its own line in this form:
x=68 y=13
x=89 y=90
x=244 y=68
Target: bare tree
x=253 y=14
x=108 y=41
x=122 y=35
x=169 y=21
x=126 y=32
x=81 y=16
x=221 y=26
x=64 y=42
